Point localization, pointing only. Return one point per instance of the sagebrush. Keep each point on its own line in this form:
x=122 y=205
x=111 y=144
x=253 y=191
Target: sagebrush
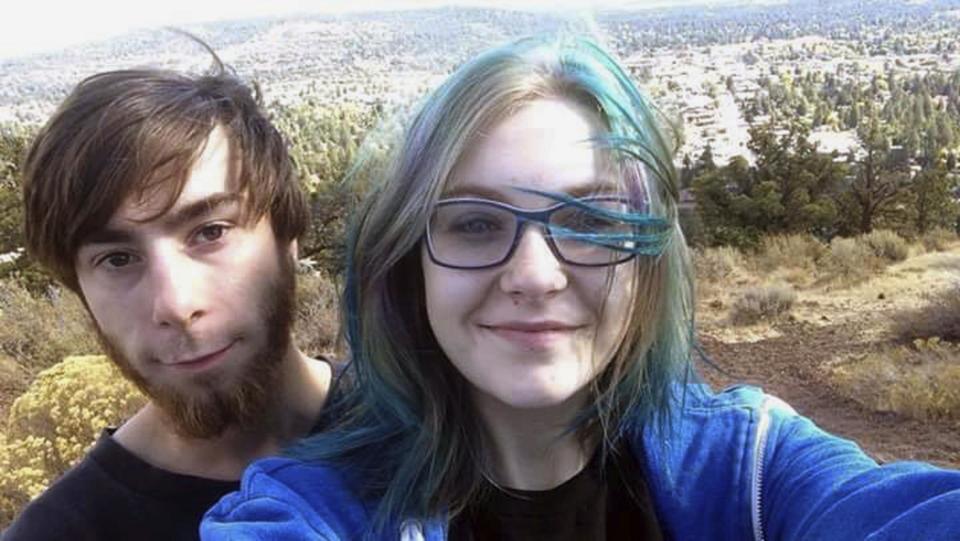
x=317 y=319
x=789 y=252
x=762 y=303
x=716 y=264
x=53 y=424
x=886 y=245
x=37 y=332
x=939 y=318
x=849 y=261
x=919 y=380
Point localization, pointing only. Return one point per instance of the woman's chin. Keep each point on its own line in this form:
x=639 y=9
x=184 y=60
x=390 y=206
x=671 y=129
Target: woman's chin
x=531 y=397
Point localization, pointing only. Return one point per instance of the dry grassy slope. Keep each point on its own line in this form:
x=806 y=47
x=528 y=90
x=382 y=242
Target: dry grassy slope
x=789 y=357
x=903 y=286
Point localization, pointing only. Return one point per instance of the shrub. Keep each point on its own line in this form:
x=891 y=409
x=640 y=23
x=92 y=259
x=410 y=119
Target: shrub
x=324 y=143
x=920 y=380
x=39 y=331
x=938 y=318
x=789 y=251
x=886 y=245
x=849 y=260
x=938 y=239
x=53 y=424
x=716 y=264
x=24 y=476
x=13 y=380
x=317 y=318
x=764 y=302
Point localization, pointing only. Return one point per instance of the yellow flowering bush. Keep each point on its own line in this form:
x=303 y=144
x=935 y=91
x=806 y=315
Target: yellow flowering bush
x=53 y=424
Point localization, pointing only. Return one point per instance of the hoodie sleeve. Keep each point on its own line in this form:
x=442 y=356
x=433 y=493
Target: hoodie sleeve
x=279 y=499
x=816 y=486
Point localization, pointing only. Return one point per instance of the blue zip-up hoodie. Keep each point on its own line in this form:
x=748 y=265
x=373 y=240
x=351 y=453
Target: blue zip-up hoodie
x=737 y=465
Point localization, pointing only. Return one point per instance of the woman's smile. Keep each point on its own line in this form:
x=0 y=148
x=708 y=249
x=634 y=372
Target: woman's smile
x=534 y=335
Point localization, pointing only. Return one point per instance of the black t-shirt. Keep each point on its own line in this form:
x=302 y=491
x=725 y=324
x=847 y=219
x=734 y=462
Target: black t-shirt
x=113 y=494
x=610 y=502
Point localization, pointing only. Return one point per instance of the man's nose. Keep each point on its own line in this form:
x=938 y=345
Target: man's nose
x=178 y=299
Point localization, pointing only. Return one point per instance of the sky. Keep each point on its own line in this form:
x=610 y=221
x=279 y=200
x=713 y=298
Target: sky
x=31 y=26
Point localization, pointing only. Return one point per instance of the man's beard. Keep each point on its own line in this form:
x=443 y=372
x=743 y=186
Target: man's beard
x=206 y=410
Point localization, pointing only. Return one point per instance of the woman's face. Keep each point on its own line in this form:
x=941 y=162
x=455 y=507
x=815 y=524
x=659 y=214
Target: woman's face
x=533 y=331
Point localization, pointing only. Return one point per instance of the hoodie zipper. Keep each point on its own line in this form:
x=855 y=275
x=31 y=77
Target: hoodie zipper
x=759 y=449
x=411 y=530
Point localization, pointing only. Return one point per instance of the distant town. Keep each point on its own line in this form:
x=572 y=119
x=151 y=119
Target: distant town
x=714 y=71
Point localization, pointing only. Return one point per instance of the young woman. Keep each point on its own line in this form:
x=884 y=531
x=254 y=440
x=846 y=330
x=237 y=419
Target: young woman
x=519 y=309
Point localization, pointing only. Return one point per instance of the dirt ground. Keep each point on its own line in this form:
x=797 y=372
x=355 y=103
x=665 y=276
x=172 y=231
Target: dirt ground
x=790 y=357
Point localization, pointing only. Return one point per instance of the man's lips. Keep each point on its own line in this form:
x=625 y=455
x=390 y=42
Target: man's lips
x=201 y=361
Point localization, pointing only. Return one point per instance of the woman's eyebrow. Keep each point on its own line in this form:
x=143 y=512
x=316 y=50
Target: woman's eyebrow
x=599 y=186
x=592 y=187
x=473 y=190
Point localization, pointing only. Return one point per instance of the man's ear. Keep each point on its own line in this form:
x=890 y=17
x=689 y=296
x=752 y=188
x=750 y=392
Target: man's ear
x=294 y=250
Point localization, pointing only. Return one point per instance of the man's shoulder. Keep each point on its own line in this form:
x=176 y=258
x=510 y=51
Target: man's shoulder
x=63 y=510
x=114 y=494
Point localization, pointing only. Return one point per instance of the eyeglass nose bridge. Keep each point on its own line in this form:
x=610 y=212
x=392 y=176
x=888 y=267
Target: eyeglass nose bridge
x=540 y=217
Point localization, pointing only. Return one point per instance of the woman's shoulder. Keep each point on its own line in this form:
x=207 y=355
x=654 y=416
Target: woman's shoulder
x=701 y=397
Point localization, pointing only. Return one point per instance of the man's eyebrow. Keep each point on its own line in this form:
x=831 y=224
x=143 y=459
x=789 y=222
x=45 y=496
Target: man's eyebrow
x=108 y=235
x=201 y=207
x=178 y=217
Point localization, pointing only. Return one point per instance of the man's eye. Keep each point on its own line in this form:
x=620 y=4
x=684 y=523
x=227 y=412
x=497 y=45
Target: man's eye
x=117 y=260
x=211 y=233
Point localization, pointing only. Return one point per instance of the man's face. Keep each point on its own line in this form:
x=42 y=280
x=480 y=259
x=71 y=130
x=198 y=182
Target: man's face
x=194 y=305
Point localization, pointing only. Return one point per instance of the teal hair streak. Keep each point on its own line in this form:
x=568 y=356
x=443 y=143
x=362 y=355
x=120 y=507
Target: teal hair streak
x=648 y=238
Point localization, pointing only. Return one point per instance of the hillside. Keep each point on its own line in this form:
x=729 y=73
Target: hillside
x=797 y=357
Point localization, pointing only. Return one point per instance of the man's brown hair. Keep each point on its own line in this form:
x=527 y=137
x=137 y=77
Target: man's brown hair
x=126 y=133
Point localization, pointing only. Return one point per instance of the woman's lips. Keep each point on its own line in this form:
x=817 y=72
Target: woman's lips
x=532 y=335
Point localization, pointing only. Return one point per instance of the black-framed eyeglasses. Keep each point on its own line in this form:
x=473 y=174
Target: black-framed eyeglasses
x=474 y=233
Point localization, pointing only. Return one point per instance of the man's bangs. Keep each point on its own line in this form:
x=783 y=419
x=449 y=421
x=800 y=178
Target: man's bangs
x=158 y=172
x=260 y=185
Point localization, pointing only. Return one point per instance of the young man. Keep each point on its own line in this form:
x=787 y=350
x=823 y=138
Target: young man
x=168 y=203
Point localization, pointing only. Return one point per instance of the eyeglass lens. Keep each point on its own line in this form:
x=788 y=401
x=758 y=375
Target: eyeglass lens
x=471 y=234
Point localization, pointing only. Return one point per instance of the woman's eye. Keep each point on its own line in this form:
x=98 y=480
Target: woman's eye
x=476 y=226
x=583 y=221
